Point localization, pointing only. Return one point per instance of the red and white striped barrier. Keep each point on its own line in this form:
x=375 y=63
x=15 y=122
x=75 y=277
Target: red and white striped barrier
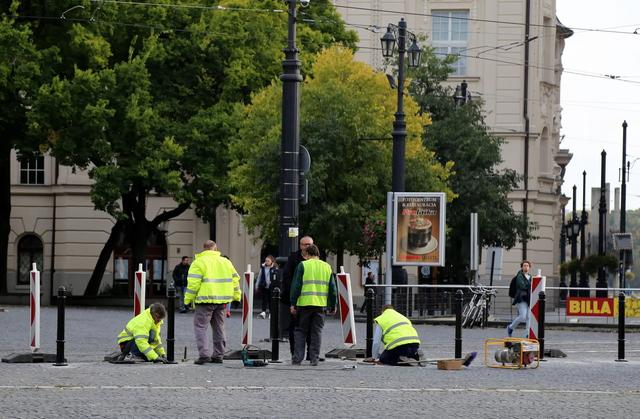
x=345 y=302
x=34 y=306
x=538 y=283
x=139 y=289
x=247 y=306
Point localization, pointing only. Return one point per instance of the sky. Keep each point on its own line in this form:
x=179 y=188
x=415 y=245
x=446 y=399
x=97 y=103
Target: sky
x=594 y=108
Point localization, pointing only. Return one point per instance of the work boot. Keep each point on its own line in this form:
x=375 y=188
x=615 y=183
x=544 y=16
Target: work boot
x=202 y=360
x=216 y=360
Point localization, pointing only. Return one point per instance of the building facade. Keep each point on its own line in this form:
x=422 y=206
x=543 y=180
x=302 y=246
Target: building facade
x=54 y=223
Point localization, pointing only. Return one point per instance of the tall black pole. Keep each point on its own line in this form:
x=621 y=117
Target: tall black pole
x=602 y=214
x=584 y=279
x=623 y=199
x=399 y=133
x=290 y=144
x=563 y=255
x=574 y=244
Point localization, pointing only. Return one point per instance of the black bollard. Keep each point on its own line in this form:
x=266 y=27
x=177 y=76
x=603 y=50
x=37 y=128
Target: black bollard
x=621 y=317
x=370 y=297
x=275 y=320
x=459 y=299
x=542 y=301
x=60 y=360
x=171 y=308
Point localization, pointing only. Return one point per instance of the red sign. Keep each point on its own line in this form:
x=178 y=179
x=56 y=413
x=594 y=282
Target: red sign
x=592 y=307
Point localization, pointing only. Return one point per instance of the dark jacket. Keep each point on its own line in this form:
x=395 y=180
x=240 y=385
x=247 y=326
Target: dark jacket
x=287 y=276
x=263 y=278
x=523 y=289
x=180 y=273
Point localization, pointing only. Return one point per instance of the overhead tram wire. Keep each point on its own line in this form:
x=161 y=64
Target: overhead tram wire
x=370 y=9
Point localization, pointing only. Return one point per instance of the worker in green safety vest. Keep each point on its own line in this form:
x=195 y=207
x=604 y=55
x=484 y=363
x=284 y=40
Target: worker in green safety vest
x=313 y=290
x=398 y=337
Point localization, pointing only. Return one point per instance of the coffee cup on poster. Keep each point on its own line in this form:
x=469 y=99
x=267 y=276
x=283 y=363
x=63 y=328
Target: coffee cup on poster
x=419 y=232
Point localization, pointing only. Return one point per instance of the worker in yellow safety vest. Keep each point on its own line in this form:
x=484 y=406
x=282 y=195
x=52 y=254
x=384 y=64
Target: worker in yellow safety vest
x=398 y=336
x=313 y=289
x=140 y=339
x=213 y=282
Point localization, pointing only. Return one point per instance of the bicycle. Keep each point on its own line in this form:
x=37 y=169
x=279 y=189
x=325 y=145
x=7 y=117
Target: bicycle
x=477 y=311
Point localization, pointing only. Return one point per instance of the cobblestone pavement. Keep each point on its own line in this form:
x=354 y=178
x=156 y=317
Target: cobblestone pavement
x=588 y=383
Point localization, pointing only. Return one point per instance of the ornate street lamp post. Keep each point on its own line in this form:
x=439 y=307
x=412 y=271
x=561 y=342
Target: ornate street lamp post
x=584 y=279
x=398 y=35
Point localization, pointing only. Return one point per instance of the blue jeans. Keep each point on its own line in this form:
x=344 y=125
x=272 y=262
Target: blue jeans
x=180 y=294
x=523 y=316
x=131 y=347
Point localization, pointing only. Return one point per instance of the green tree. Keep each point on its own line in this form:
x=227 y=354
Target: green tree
x=459 y=134
x=153 y=86
x=343 y=103
x=22 y=69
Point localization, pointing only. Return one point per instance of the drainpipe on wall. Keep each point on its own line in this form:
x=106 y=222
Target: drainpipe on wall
x=53 y=233
x=525 y=112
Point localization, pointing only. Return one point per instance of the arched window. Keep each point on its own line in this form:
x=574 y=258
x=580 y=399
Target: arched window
x=29 y=252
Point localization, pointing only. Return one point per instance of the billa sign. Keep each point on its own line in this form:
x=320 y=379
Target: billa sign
x=419 y=228
x=592 y=307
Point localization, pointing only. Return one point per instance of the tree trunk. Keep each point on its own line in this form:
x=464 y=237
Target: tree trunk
x=93 y=287
x=5 y=212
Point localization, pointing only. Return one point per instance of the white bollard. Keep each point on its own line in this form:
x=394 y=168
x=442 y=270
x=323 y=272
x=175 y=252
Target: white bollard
x=34 y=306
x=247 y=306
x=139 y=289
x=345 y=302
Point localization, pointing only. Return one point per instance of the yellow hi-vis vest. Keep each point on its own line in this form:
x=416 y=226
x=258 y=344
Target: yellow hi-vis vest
x=396 y=329
x=315 y=283
x=212 y=279
x=138 y=329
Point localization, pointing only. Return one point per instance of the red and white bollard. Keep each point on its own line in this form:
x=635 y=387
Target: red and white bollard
x=247 y=306
x=538 y=283
x=139 y=289
x=34 y=306
x=345 y=302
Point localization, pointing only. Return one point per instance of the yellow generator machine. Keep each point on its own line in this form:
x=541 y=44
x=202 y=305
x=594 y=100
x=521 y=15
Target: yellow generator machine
x=514 y=353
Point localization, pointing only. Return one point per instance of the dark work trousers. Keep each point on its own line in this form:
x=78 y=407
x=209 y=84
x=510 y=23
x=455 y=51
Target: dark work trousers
x=288 y=325
x=410 y=350
x=310 y=321
x=266 y=299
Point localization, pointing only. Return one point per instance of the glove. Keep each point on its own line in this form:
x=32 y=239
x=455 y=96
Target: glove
x=160 y=360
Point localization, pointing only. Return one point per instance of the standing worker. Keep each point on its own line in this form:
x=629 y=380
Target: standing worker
x=288 y=322
x=313 y=289
x=521 y=296
x=213 y=283
x=180 y=281
x=397 y=334
x=140 y=339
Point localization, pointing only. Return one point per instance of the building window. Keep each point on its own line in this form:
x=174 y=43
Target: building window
x=450 y=37
x=29 y=252
x=32 y=171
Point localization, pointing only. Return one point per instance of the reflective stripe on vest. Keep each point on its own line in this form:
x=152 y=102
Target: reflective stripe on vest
x=217 y=280
x=315 y=283
x=396 y=329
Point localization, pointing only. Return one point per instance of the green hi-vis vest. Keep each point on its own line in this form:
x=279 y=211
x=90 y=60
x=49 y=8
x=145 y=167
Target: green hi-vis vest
x=315 y=283
x=396 y=329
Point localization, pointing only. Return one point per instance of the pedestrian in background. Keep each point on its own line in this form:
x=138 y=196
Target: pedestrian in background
x=287 y=321
x=312 y=291
x=521 y=297
x=369 y=280
x=263 y=285
x=213 y=283
x=180 y=273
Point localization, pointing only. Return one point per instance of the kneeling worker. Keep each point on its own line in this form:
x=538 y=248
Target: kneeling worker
x=399 y=337
x=141 y=336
